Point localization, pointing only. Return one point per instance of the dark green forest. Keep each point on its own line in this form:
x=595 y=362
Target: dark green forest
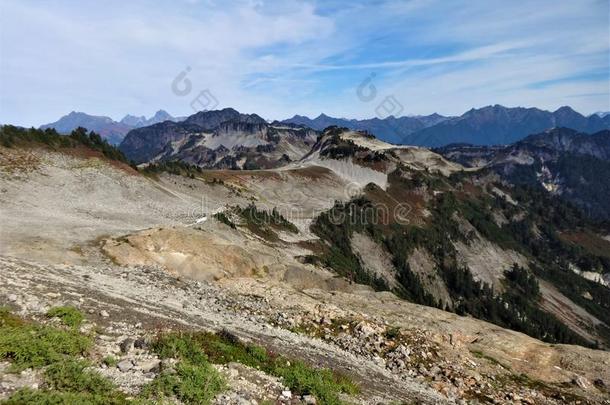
x=517 y=306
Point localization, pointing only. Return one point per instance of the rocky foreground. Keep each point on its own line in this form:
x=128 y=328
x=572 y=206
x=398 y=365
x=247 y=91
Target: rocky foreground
x=126 y=308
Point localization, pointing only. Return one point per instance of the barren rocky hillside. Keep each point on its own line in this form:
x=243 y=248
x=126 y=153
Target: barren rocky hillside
x=222 y=139
x=238 y=280
x=562 y=161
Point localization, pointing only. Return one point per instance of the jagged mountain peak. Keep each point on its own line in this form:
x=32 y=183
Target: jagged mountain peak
x=161 y=113
x=133 y=120
x=390 y=129
x=222 y=138
x=142 y=121
x=211 y=119
x=564 y=109
x=601 y=114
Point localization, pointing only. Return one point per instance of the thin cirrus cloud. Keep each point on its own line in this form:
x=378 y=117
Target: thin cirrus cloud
x=278 y=58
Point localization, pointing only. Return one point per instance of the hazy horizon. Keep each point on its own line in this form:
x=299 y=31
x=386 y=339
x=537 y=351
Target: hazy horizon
x=119 y=118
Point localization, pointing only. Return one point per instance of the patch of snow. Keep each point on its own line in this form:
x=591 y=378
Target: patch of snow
x=603 y=279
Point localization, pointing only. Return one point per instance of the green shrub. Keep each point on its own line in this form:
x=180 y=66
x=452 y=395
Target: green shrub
x=179 y=345
x=27 y=396
x=69 y=315
x=110 y=361
x=67 y=380
x=7 y=319
x=29 y=345
x=224 y=347
x=190 y=383
x=194 y=380
x=71 y=376
x=322 y=383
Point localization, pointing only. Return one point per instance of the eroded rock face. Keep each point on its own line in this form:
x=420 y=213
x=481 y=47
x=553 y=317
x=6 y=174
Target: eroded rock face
x=145 y=143
x=543 y=160
x=197 y=253
x=219 y=139
x=374 y=258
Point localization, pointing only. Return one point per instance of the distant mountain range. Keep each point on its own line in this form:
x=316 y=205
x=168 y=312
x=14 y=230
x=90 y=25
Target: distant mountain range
x=498 y=125
x=111 y=130
x=491 y=125
x=142 y=121
x=391 y=129
x=565 y=162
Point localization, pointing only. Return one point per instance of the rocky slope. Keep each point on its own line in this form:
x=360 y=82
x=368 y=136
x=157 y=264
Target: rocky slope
x=138 y=254
x=219 y=139
x=563 y=161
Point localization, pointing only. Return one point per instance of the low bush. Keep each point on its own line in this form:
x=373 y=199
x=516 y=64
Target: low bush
x=224 y=347
x=110 y=361
x=27 y=396
x=222 y=217
x=72 y=376
x=322 y=383
x=67 y=380
x=29 y=345
x=194 y=380
x=190 y=383
x=7 y=319
x=70 y=316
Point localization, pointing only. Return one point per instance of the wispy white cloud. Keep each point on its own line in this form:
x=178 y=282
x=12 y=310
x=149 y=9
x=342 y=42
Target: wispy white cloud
x=278 y=58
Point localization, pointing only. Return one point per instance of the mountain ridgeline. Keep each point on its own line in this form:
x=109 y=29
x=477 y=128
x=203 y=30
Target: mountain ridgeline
x=109 y=129
x=390 y=129
x=491 y=125
x=566 y=162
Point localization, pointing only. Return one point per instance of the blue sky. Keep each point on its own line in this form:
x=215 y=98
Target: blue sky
x=280 y=58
